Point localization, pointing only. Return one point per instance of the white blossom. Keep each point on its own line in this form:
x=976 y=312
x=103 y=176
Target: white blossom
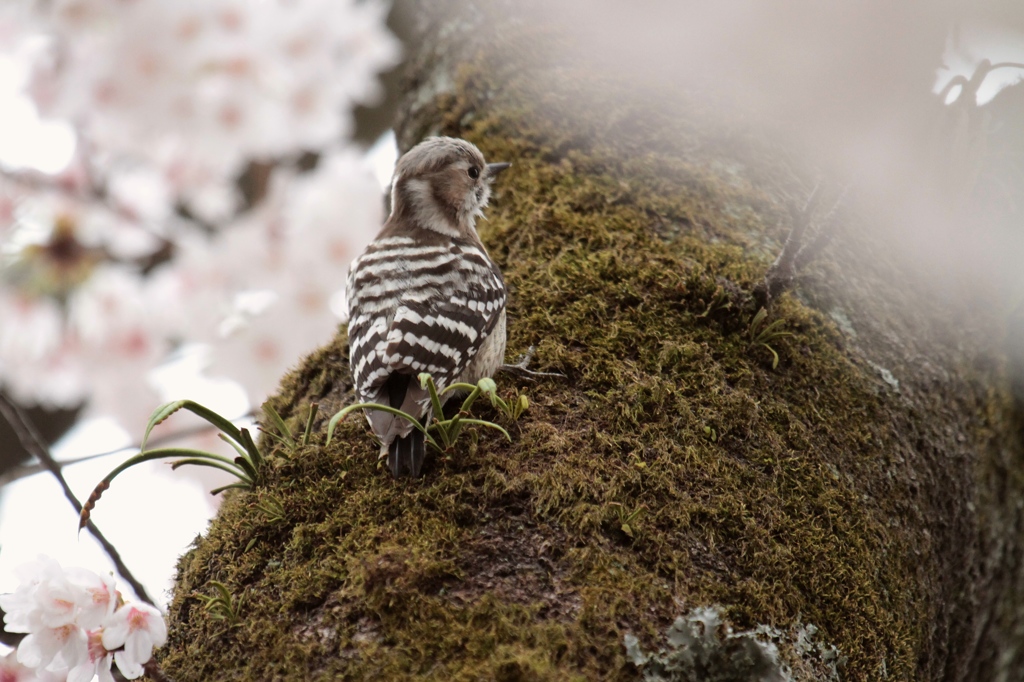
x=97 y=597
x=297 y=258
x=170 y=101
x=137 y=628
x=199 y=86
x=78 y=625
x=32 y=326
x=95 y=664
x=21 y=607
x=54 y=648
x=12 y=671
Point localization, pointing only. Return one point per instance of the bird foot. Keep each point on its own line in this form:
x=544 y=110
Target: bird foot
x=520 y=370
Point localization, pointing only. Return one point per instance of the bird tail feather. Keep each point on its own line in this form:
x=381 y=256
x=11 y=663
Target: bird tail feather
x=405 y=455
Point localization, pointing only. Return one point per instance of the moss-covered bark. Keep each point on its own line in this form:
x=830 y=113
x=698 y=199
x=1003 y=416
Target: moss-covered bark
x=869 y=485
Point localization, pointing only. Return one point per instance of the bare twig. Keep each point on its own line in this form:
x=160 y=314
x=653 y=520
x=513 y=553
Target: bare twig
x=36 y=446
x=797 y=252
x=153 y=671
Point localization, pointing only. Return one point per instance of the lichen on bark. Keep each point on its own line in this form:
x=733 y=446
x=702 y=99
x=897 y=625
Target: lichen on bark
x=630 y=235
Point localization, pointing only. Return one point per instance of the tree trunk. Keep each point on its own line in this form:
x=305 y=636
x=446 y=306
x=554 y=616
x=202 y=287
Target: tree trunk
x=869 y=485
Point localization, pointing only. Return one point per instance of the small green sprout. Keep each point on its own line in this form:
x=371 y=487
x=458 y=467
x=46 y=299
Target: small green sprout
x=246 y=467
x=283 y=435
x=513 y=408
x=627 y=520
x=719 y=301
x=272 y=509
x=440 y=434
x=761 y=334
x=221 y=606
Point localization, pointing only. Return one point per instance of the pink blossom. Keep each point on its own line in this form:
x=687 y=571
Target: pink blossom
x=77 y=624
x=61 y=647
x=12 y=671
x=170 y=101
x=97 y=598
x=205 y=85
x=137 y=628
x=96 y=664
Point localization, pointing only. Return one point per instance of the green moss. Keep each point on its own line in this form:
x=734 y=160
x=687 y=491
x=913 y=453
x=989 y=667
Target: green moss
x=783 y=496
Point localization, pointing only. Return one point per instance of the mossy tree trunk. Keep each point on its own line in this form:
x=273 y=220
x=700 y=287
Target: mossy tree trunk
x=870 y=484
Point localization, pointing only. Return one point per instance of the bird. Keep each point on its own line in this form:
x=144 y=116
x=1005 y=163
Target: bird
x=425 y=295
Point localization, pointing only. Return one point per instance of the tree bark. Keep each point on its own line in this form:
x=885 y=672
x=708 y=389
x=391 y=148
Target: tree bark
x=870 y=484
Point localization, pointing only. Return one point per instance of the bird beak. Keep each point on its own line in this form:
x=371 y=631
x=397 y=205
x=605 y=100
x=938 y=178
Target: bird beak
x=495 y=168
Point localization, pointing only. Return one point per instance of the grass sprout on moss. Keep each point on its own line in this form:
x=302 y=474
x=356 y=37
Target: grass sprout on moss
x=273 y=509
x=221 y=606
x=627 y=520
x=512 y=408
x=761 y=333
x=719 y=302
x=284 y=435
x=440 y=434
x=246 y=467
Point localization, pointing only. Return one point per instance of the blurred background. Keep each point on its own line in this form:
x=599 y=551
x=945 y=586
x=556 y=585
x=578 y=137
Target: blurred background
x=183 y=183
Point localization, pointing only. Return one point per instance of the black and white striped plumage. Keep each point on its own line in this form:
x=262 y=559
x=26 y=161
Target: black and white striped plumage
x=425 y=296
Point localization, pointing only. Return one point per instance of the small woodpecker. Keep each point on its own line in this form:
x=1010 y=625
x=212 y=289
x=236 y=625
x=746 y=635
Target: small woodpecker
x=425 y=296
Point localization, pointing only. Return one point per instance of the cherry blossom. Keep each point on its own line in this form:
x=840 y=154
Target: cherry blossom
x=298 y=257
x=54 y=648
x=137 y=628
x=109 y=315
x=21 y=607
x=144 y=242
x=96 y=662
x=97 y=597
x=197 y=87
x=12 y=671
x=77 y=624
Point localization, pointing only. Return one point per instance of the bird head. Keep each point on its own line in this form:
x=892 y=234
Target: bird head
x=443 y=184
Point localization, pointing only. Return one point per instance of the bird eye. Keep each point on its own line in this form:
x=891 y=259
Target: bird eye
x=474 y=172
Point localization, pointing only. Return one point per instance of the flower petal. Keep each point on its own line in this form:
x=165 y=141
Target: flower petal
x=83 y=672
x=139 y=646
x=128 y=667
x=30 y=652
x=115 y=630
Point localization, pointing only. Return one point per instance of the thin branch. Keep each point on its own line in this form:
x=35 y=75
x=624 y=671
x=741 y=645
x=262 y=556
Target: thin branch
x=154 y=672
x=797 y=252
x=824 y=236
x=36 y=446
x=801 y=222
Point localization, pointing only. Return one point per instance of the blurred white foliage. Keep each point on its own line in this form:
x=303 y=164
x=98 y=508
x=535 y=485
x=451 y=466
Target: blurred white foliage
x=170 y=101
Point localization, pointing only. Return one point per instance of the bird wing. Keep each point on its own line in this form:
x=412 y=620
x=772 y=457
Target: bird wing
x=436 y=328
x=441 y=337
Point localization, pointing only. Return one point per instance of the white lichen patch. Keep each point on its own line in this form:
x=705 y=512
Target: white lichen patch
x=701 y=645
